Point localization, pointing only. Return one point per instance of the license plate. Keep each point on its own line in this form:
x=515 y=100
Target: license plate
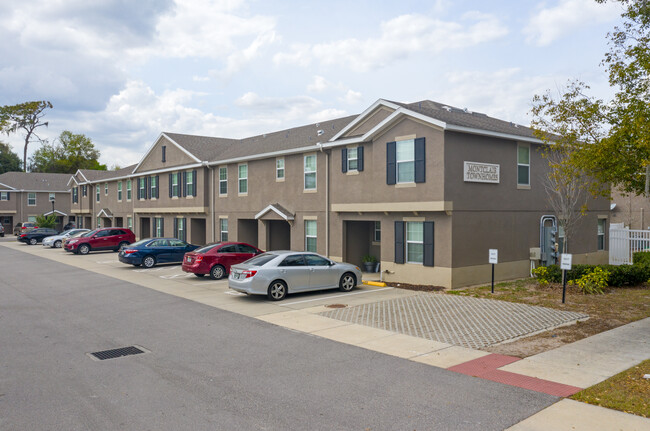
x=189 y=259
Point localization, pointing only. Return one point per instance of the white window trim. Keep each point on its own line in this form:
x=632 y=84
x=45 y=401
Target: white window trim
x=142 y=188
x=129 y=222
x=221 y=230
x=278 y=169
x=4 y=196
x=374 y=233
x=158 y=222
x=119 y=191
x=239 y=179
x=28 y=204
x=311 y=236
x=180 y=228
x=305 y=172
x=356 y=158
x=51 y=197
x=397 y=162
x=223 y=181
x=129 y=190
x=105 y=189
x=407 y=242
x=175 y=176
x=522 y=185
x=98 y=193
x=598 y=234
x=190 y=183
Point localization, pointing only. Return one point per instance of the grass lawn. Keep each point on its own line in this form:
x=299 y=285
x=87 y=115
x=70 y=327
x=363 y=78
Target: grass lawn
x=616 y=307
x=627 y=391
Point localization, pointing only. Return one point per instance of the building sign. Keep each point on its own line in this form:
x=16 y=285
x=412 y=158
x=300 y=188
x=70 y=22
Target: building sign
x=481 y=173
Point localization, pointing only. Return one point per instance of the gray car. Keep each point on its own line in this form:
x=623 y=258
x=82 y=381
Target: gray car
x=278 y=273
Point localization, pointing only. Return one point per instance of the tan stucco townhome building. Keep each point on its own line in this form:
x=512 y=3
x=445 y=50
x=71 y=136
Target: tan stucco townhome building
x=23 y=196
x=424 y=187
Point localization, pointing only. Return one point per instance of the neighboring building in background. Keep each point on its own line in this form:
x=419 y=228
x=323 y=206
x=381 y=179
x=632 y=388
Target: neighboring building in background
x=425 y=188
x=631 y=210
x=23 y=196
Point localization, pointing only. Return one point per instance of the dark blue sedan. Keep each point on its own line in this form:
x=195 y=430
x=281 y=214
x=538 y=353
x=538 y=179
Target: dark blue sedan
x=151 y=251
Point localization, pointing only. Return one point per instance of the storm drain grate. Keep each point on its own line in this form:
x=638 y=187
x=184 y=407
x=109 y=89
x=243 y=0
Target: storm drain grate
x=116 y=353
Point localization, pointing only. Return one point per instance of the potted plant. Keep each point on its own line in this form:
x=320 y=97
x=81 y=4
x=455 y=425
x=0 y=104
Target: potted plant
x=369 y=262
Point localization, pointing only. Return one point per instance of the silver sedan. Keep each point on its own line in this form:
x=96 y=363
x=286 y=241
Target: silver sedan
x=278 y=273
x=56 y=241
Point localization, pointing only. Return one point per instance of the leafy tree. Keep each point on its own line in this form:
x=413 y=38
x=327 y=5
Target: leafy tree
x=9 y=161
x=26 y=116
x=46 y=221
x=611 y=140
x=70 y=152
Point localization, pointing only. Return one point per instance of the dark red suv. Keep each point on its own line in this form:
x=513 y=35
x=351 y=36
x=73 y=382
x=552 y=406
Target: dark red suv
x=216 y=259
x=109 y=238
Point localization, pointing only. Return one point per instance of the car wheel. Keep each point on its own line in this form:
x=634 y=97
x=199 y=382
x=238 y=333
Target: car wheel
x=277 y=290
x=57 y=244
x=217 y=272
x=33 y=241
x=149 y=261
x=199 y=275
x=347 y=283
x=122 y=245
x=83 y=249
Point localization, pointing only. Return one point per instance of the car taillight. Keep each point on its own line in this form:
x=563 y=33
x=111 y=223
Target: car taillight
x=23 y=235
x=249 y=273
x=198 y=259
x=129 y=251
x=23 y=227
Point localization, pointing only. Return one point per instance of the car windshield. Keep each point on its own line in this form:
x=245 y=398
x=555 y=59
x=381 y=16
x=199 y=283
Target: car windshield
x=206 y=248
x=141 y=242
x=261 y=259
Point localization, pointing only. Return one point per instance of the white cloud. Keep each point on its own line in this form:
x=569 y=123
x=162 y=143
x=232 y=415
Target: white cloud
x=552 y=23
x=318 y=84
x=400 y=37
x=351 y=97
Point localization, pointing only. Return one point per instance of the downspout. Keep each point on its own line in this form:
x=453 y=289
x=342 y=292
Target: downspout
x=211 y=190
x=327 y=199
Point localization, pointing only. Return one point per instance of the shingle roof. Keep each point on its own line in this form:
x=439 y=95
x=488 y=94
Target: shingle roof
x=36 y=181
x=466 y=118
x=96 y=175
x=213 y=149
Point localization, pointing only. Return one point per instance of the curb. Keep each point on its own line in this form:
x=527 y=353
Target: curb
x=375 y=283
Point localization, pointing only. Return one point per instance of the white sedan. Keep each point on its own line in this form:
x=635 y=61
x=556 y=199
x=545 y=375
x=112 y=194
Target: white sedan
x=278 y=273
x=56 y=241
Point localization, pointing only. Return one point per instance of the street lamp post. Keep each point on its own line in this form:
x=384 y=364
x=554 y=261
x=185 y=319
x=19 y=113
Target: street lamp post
x=53 y=211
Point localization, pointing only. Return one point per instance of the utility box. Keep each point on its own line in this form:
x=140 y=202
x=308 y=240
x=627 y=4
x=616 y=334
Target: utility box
x=535 y=253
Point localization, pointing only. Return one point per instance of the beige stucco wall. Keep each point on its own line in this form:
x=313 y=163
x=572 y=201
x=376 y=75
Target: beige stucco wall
x=174 y=157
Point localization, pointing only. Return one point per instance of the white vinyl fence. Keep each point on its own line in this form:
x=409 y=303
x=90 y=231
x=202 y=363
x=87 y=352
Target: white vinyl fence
x=623 y=243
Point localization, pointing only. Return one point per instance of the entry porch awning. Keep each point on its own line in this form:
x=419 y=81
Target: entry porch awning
x=275 y=209
x=105 y=212
x=57 y=212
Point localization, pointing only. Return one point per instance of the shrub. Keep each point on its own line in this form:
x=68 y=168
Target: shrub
x=46 y=221
x=627 y=275
x=577 y=272
x=641 y=258
x=541 y=274
x=594 y=281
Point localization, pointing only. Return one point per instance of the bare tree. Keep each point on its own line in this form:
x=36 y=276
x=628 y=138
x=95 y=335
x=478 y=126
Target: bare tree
x=567 y=190
x=26 y=117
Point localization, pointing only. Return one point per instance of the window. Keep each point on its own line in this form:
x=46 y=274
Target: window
x=153 y=187
x=158 y=227
x=223 y=228
x=31 y=219
x=4 y=196
x=128 y=190
x=99 y=224
x=243 y=179
x=310 y=235
x=119 y=191
x=84 y=191
x=105 y=189
x=279 y=169
x=52 y=197
x=231 y=248
x=175 y=184
x=561 y=237
x=405 y=161
x=164 y=153
x=180 y=229
x=190 y=184
x=601 y=233
x=244 y=248
x=129 y=222
x=142 y=191
x=293 y=260
x=414 y=242
x=523 y=165
x=313 y=260
x=31 y=199
x=352 y=159
x=310 y=172
x=223 y=180
x=377 y=232
x=75 y=195
x=97 y=193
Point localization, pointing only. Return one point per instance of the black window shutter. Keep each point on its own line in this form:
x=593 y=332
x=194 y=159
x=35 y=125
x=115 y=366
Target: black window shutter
x=8 y=196
x=420 y=161
x=344 y=160
x=195 y=182
x=147 y=188
x=184 y=229
x=170 y=185
x=164 y=158
x=428 y=243
x=176 y=227
x=157 y=186
x=399 y=242
x=359 y=159
x=162 y=226
x=184 y=184
x=391 y=163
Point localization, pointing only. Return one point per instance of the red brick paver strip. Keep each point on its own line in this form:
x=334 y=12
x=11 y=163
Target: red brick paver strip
x=486 y=368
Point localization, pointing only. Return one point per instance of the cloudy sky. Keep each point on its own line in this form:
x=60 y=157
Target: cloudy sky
x=121 y=72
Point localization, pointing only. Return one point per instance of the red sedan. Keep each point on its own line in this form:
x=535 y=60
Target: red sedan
x=216 y=259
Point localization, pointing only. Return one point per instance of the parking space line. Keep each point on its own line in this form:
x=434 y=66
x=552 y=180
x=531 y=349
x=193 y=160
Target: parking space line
x=335 y=296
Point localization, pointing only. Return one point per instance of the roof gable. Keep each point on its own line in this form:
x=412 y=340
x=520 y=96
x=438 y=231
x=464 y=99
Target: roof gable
x=176 y=154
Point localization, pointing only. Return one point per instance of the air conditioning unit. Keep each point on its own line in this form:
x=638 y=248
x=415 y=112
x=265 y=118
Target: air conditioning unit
x=535 y=253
